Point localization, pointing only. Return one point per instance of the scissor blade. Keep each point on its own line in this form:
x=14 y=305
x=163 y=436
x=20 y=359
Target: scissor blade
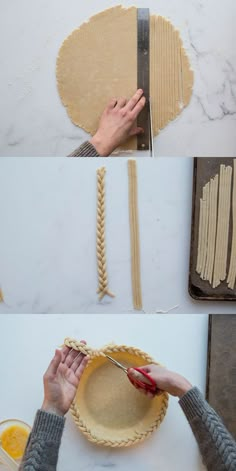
x=116 y=363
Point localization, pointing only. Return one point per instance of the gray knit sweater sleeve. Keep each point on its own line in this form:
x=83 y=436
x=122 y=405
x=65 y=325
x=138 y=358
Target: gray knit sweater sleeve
x=217 y=446
x=42 y=449
x=85 y=150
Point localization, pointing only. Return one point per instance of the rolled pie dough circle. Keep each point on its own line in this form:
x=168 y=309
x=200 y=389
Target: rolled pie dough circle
x=98 y=62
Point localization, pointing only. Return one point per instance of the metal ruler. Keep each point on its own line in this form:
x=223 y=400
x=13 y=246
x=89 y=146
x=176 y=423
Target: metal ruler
x=143 y=28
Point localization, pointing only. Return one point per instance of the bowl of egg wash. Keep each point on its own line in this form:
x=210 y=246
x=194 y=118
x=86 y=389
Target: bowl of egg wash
x=14 y=434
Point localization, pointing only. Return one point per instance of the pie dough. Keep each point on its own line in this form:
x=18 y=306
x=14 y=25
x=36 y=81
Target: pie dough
x=101 y=239
x=232 y=267
x=213 y=230
x=98 y=61
x=107 y=408
x=134 y=235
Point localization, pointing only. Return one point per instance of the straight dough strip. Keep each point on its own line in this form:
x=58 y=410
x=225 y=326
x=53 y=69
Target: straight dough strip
x=101 y=243
x=134 y=235
x=201 y=231
x=225 y=222
x=217 y=264
x=232 y=267
x=227 y=219
x=200 y=236
x=211 y=228
x=205 y=217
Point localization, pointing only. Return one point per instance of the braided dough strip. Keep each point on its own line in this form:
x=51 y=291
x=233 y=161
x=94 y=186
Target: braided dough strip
x=137 y=437
x=101 y=243
x=134 y=235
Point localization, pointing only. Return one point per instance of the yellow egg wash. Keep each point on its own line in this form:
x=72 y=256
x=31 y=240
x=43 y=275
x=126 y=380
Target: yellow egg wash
x=13 y=440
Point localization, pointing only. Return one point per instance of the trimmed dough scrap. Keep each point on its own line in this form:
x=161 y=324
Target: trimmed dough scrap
x=98 y=61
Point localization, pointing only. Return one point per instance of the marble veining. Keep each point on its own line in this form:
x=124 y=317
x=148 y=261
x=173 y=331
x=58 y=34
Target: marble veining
x=33 y=121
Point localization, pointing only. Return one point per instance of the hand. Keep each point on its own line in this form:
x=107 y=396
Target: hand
x=61 y=380
x=118 y=123
x=166 y=380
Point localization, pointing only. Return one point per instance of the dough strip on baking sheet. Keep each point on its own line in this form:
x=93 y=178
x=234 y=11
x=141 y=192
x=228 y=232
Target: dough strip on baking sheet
x=223 y=225
x=228 y=176
x=134 y=235
x=232 y=266
x=101 y=239
x=200 y=234
x=219 y=230
x=211 y=229
x=205 y=226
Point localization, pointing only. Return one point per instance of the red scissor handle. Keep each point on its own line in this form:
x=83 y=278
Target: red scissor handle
x=149 y=386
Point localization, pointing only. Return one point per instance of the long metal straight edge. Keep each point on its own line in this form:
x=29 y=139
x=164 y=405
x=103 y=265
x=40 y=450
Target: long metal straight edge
x=143 y=43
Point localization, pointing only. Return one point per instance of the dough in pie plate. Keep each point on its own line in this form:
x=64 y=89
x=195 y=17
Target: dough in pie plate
x=108 y=409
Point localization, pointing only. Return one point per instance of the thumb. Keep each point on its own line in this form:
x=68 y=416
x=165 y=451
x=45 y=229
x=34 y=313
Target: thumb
x=135 y=131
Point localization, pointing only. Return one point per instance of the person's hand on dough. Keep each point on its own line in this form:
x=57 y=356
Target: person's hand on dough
x=118 y=123
x=166 y=380
x=61 y=380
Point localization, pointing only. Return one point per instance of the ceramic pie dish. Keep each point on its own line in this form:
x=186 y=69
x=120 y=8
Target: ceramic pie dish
x=107 y=408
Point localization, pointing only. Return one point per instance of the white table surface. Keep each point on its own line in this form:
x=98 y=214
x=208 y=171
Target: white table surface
x=48 y=236
x=179 y=342
x=33 y=121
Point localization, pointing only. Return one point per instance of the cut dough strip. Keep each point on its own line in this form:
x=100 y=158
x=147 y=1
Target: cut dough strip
x=213 y=230
x=101 y=244
x=232 y=266
x=222 y=225
x=134 y=235
x=208 y=272
x=203 y=230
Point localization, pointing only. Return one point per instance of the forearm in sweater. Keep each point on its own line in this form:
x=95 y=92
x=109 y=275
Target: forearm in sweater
x=42 y=449
x=217 y=446
x=85 y=150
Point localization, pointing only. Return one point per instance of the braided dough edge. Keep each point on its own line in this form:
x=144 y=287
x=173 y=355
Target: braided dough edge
x=137 y=437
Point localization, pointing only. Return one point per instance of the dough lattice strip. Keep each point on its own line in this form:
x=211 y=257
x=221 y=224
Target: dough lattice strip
x=204 y=234
x=213 y=192
x=101 y=242
x=134 y=235
x=222 y=225
x=232 y=266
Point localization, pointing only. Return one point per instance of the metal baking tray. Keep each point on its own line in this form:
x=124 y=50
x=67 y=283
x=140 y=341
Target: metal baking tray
x=203 y=170
x=221 y=368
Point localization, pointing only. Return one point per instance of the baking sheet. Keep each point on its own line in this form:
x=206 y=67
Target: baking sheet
x=221 y=372
x=203 y=170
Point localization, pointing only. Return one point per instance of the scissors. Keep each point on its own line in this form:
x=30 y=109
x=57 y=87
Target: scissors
x=148 y=386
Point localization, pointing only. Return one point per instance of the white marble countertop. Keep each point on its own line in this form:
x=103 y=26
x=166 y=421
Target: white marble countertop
x=48 y=236
x=33 y=121
x=179 y=342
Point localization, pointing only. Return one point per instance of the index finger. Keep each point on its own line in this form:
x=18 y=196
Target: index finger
x=134 y=100
x=138 y=107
